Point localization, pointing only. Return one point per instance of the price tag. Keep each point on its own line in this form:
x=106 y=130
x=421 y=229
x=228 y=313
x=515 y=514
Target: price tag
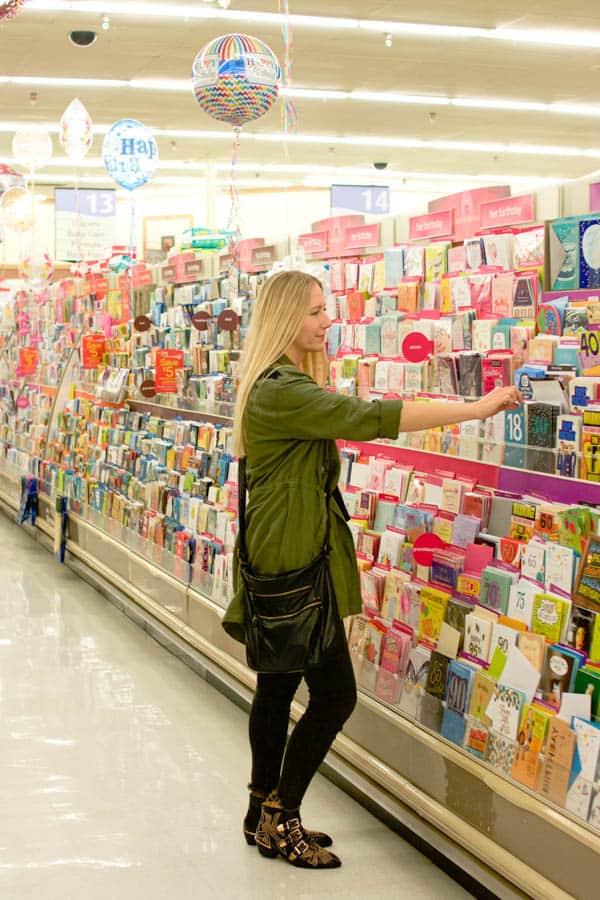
x=148 y=388
x=167 y=364
x=28 y=361
x=424 y=546
x=416 y=347
x=92 y=350
x=142 y=323
x=228 y=320
x=200 y=320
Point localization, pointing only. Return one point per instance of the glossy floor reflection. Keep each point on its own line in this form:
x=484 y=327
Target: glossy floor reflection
x=123 y=774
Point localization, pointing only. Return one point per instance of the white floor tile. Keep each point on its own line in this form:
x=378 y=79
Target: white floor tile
x=123 y=774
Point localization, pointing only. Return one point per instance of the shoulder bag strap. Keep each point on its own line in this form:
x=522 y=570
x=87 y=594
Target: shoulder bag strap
x=243 y=552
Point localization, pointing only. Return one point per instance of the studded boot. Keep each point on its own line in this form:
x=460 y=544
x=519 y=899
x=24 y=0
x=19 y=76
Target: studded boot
x=280 y=832
x=253 y=817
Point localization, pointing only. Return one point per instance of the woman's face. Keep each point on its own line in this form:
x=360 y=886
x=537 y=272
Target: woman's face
x=311 y=337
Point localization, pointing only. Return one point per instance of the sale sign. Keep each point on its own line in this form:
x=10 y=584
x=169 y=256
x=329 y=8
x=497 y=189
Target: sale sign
x=92 y=350
x=28 y=361
x=167 y=363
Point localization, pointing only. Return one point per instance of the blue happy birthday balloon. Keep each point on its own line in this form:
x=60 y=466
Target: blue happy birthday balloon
x=130 y=154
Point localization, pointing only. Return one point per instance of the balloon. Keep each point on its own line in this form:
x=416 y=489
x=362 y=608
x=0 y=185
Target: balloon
x=236 y=78
x=9 y=178
x=37 y=269
x=9 y=8
x=76 y=134
x=32 y=148
x=130 y=154
x=17 y=209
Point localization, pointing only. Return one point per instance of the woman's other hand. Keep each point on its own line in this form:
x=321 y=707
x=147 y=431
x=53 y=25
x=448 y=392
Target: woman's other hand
x=498 y=400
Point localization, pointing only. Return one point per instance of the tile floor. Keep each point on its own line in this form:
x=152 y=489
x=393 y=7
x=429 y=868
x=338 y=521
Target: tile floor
x=123 y=773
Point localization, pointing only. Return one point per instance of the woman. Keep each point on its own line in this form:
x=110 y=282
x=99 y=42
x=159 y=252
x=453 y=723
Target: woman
x=286 y=426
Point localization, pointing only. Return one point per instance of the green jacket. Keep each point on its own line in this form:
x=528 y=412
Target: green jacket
x=291 y=425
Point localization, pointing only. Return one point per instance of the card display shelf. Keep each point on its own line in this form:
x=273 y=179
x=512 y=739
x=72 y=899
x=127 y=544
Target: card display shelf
x=505 y=836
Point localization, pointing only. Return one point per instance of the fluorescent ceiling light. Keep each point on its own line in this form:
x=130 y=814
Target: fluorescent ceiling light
x=183 y=86
x=358 y=140
x=550 y=38
x=491 y=103
x=66 y=82
x=393 y=97
x=421 y=30
x=187 y=12
x=254 y=182
x=342 y=173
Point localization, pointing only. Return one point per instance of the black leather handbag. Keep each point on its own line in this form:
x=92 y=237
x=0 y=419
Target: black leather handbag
x=291 y=620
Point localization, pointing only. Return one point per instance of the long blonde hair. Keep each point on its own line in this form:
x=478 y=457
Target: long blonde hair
x=277 y=317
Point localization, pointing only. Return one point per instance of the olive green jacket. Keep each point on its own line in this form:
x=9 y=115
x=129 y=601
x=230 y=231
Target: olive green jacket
x=291 y=425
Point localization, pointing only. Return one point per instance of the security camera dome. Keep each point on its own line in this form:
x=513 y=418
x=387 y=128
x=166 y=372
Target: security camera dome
x=83 y=38
x=380 y=165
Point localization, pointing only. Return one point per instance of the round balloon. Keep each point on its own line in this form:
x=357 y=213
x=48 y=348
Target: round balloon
x=9 y=178
x=32 y=148
x=17 y=209
x=76 y=131
x=130 y=154
x=37 y=269
x=236 y=78
x=10 y=8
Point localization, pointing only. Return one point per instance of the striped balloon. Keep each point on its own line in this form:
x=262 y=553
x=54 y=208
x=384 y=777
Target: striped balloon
x=236 y=78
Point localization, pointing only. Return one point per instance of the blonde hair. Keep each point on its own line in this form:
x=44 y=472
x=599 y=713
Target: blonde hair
x=277 y=318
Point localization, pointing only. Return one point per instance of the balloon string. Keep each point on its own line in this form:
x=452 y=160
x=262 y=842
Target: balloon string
x=288 y=112
x=78 y=248
x=234 y=215
x=132 y=251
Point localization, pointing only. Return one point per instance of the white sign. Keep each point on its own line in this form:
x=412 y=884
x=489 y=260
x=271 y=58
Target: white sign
x=84 y=223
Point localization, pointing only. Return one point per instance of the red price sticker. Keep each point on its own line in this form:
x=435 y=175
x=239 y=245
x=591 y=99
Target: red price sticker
x=416 y=347
x=167 y=364
x=424 y=546
x=28 y=361
x=92 y=350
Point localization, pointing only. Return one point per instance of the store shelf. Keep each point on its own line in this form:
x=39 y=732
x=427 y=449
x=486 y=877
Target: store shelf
x=507 y=838
x=196 y=413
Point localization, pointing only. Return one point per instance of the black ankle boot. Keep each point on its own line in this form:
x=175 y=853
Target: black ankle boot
x=253 y=817
x=280 y=833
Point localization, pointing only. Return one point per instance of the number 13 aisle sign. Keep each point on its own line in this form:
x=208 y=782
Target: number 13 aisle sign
x=84 y=223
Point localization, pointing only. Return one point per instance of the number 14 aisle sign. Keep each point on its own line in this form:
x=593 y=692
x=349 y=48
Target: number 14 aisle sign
x=364 y=198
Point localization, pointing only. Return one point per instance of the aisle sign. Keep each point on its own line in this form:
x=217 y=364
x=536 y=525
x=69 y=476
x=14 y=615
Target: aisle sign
x=365 y=198
x=28 y=361
x=515 y=438
x=92 y=350
x=84 y=223
x=167 y=363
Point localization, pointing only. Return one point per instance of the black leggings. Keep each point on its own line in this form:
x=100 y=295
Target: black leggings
x=332 y=690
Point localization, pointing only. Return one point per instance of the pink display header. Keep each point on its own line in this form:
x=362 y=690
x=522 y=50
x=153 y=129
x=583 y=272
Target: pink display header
x=466 y=206
x=361 y=236
x=509 y=211
x=431 y=225
x=315 y=243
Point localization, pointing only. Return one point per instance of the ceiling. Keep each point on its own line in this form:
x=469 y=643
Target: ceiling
x=335 y=132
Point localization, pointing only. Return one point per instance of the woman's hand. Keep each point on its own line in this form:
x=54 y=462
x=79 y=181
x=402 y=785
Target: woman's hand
x=498 y=400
